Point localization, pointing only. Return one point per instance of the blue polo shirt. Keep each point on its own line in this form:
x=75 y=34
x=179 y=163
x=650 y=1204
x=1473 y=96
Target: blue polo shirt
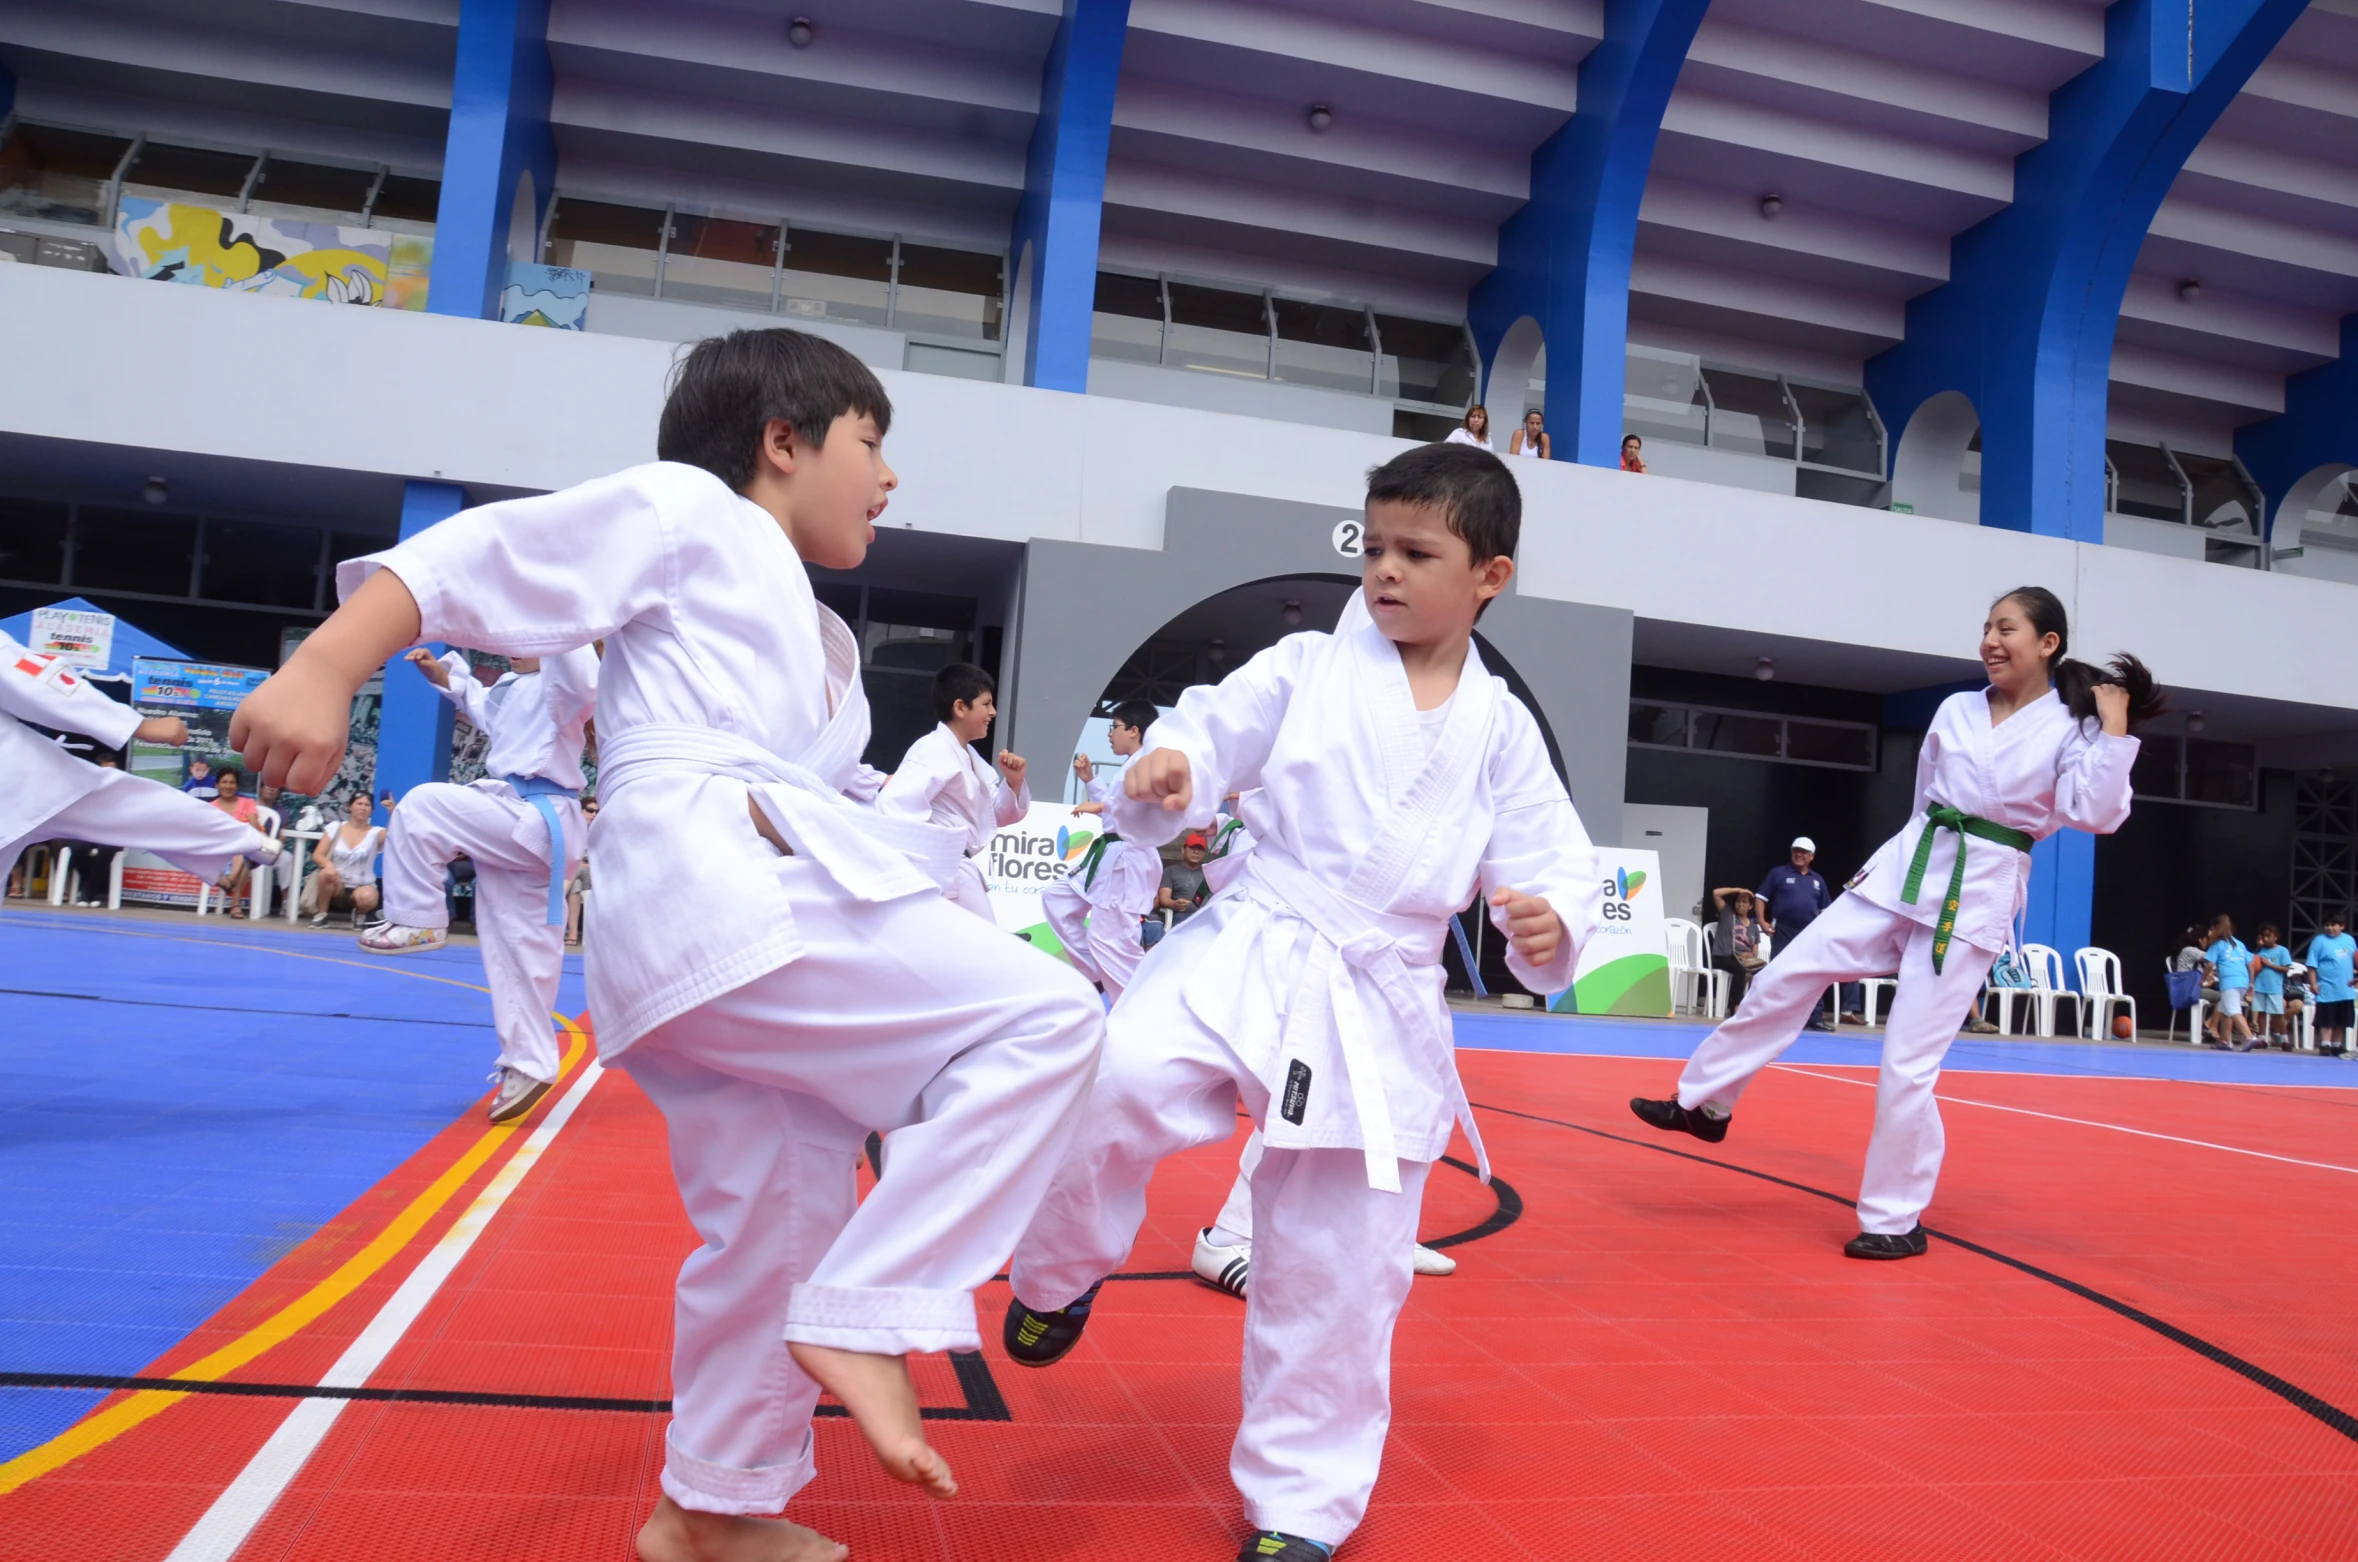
x=2272 y=963
x=1794 y=899
x=2232 y=961
x=2332 y=959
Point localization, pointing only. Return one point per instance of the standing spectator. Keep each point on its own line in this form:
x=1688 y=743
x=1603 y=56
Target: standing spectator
x=227 y=787
x=346 y=858
x=200 y=779
x=1791 y=897
x=1531 y=439
x=1475 y=430
x=1632 y=456
x=1735 y=949
x=2332 y=954
x=2271 y=963
x=2229 y=963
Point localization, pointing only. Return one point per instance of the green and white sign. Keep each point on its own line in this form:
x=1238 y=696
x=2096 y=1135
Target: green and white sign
x=1026 y=857
x=1625 y=967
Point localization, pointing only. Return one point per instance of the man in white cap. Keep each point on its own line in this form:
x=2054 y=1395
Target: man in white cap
x=1791 y=897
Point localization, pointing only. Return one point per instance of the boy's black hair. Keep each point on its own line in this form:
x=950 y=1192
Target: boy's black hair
x=726 y=390
x=1472 y=488
x=960 y=683
x=2268 y=927
x=1135 y=713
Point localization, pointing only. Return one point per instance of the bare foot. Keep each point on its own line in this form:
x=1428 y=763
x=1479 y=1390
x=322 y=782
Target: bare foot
x=878 y=1393
x=676 y=1534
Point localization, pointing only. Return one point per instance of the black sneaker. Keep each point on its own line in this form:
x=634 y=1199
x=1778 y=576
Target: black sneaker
x=1670 y=1117
x=1877 y=1244
x=1037 y=1339
x=1276 y=1546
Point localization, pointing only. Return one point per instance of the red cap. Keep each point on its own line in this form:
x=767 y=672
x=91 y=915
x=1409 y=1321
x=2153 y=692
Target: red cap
x=1195 y=840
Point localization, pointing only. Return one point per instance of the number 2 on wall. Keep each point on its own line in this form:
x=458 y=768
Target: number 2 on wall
x=1347 y=535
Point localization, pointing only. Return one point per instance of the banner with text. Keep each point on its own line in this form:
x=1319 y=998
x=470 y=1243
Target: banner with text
x=1625 y=969
x=1026 y=857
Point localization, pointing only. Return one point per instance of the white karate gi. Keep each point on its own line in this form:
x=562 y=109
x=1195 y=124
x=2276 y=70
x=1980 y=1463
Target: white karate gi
x=774 y=1007
x=1096 y=916
x=2037 y=771
x=1311 y=987
x=535 y=722
x=943 y=779
x=50 y=794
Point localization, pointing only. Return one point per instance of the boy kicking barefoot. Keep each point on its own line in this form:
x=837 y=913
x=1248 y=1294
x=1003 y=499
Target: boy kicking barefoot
x=775 y=966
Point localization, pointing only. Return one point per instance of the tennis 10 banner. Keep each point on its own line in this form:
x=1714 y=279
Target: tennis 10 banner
x=1625 y=966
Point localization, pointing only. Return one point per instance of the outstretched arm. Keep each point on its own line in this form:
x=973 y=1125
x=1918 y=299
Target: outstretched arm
x=40 y=688
x=1214 y=743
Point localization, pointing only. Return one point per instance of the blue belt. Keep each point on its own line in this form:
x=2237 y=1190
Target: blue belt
x=537 y=790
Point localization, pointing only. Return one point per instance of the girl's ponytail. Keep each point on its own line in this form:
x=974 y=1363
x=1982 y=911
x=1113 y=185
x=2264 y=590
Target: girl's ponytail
x=2075 y=682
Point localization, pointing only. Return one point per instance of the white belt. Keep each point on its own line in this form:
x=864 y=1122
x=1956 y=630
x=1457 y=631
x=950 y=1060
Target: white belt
x=1380 y=947
x=877 y=857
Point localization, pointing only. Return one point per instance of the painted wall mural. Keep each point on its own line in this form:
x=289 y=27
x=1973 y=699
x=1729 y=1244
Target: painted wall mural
x=171 y=241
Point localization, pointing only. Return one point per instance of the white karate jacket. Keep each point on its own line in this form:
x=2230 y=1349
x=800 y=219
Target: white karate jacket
x=43 y=778
x=1326 y=977
x=945 y=780
x=536 y=721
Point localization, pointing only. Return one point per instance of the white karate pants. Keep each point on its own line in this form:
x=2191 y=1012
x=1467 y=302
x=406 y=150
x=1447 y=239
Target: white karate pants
x=1099 y=929
x=1854 y=938
x=970 y=1050
x=128 y=810
x=523 y=953
x=969 y=892
x=1236 y=1214
x=1332 y=1257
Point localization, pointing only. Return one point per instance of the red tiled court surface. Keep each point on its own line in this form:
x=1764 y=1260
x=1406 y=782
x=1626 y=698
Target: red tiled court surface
x=1664 y=1353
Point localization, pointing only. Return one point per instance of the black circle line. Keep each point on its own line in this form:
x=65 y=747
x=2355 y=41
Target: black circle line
x=225 y=1008
x=2291 y=1393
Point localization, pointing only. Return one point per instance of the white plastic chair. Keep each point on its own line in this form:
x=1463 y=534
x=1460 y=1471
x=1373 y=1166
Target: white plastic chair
x=1691 y=971
x=2046 y=969
x=259 y=882
x=2194 y=1031
x=2101 y=992
x=1875 y=987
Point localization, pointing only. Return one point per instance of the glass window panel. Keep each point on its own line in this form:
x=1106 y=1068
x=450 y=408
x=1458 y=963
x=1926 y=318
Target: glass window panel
x=719 y=260
x=1425 y=360
x=835 y=276
x=312 y=187
x=1218 y=331
x=1658 y=726
x=1431 y=427
x=32 y=541
x=949 y=292
x=1748 y=414
x=1321 y=344
x=134 y=550
x=60 y=175
x=405 y=200
x=1723 y=732
x=1662 y=395
x=963 y=363
x=2221 y=502
x=2147 y=486
x=1838 y=487
x=2222 y=773
x=2154 y=773
x=171 y=171
x=1128 y=323
x=615 y=244
x=1824 y=743
x=1836 y=430
x=249 y=562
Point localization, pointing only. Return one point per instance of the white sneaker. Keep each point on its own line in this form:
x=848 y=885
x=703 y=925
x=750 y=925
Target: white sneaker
x=1222 y=1268
x=1429 y=1262
x=391 y=938
x=518 y=1093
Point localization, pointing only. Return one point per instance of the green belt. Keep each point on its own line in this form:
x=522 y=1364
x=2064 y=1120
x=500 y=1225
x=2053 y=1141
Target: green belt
x=1090 y=858
x=1225 y=837
x=1940 y=816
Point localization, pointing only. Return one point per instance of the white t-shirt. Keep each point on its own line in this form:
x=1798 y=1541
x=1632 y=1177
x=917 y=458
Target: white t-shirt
x=356 y=865
x=1430 y=722
x=1461 y=435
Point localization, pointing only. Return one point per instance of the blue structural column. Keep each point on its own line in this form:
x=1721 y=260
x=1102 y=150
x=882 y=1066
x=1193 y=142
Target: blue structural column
x=2319 y=425
x=499 y=132
x=2060 y=911
x=414 y=723
x=1064 y=190
x=1564 y=258
x=2024 y=326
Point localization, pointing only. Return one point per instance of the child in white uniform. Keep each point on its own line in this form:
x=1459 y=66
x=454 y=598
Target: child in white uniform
x=2045 y=746
x=1096 y=909
x=943 y=779
x=51 y=794
x=776 y=965
x=1397 y=774
x=522 y=828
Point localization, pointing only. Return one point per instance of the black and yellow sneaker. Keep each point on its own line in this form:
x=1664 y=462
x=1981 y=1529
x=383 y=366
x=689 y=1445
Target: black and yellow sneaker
x=1038 y=1339
x=1276 y=1546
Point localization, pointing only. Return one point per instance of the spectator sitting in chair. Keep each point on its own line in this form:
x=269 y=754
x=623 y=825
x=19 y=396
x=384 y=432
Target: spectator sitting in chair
x=227 y=798
x=1183 y=890
x=1736 y=946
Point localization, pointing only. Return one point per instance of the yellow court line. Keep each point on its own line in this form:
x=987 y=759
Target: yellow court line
x=121 y=1417
x=379 y=964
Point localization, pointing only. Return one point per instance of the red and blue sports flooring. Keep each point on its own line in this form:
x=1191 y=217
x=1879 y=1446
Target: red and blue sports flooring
x=271 y=1289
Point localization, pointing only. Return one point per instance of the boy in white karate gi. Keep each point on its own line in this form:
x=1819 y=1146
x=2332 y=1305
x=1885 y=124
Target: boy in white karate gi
x=1396 y=774
x=521 y=826
x=51 y=794
x=1096 y=909
x=776 y=965
x=943 y=779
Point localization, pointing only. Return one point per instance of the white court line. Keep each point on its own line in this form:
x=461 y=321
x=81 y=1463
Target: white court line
x=2024 y=1111
x=249 y=1498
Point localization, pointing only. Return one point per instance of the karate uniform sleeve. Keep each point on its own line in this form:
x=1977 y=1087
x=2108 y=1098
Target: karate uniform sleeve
x=537 y=576
x=2092 y=781
x=866 y=784
x=42 y=689
x=1014 y=801
x=1226 y=730
x=465 y=692
x=910 y=790
x=1539 y=846
x=572 y=684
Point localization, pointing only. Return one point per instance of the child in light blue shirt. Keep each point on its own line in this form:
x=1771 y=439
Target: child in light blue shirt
x=2269 y=964
x=2332 y=955
x=2229 y=963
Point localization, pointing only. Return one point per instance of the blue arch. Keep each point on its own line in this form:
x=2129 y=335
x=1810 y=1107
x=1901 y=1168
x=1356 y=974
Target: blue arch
x=499 y=130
